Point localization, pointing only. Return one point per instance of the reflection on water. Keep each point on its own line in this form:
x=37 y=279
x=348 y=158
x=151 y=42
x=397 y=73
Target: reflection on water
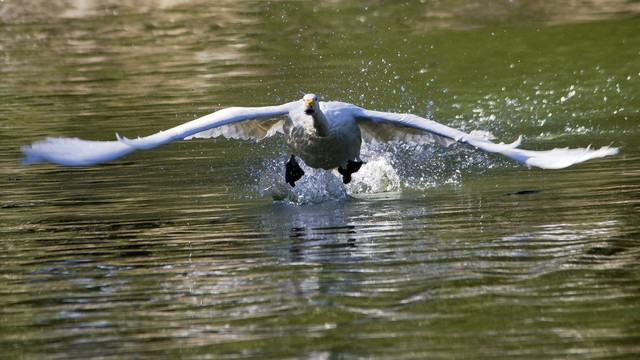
x=431 y=252
x=320 y=277
x=437 y=13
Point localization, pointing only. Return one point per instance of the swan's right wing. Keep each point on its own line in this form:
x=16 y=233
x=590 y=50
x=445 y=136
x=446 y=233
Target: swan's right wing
x=72 y=151
x=239 y=122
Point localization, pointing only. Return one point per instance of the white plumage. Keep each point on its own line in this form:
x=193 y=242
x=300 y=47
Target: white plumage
x=323 y=134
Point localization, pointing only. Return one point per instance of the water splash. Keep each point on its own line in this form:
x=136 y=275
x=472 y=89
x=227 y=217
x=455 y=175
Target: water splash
x=376 y=176
x=316 y=186
x=388 y=168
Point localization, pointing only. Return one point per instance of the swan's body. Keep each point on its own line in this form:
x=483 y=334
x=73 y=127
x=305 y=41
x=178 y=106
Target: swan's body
x=324 y=135
x=324 y=138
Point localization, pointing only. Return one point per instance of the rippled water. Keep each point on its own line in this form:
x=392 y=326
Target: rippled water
x=431 y=252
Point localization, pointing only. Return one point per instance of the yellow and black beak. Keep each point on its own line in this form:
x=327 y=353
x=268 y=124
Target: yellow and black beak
x=309 y=106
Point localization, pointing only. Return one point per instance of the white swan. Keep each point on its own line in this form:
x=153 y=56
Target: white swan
x=324 y=135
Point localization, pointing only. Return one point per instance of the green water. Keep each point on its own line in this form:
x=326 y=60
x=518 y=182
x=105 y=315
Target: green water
x=180 y=252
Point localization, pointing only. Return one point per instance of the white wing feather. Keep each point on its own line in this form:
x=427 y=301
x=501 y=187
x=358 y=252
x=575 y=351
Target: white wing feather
x=256 y=122
x=242 y=122
x=406 y=127
x=73 y=151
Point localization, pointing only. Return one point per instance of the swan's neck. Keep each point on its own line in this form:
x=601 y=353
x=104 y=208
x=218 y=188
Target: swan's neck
x=320 y=123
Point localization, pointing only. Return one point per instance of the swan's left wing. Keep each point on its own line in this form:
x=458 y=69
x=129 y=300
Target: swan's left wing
x=386 y=126
x=239 y=122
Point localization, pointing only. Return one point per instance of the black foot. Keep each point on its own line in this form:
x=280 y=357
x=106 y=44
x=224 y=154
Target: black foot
x=293 y=171
x=352 y=166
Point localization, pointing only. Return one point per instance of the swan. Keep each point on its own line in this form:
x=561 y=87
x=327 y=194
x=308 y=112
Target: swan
x=326 y=135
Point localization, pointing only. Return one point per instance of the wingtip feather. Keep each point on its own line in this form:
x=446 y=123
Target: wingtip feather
x=27 y=156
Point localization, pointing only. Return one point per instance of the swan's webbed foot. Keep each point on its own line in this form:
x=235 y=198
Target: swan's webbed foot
x=352 y=166
x=293 y=171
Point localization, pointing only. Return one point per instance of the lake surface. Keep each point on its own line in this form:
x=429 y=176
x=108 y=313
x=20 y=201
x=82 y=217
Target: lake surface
x=182 y=252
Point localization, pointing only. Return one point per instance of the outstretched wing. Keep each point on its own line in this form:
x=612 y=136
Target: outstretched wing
x=239 y=122
x=385 y=126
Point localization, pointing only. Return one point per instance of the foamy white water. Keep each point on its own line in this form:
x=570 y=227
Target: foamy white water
x=387 y=168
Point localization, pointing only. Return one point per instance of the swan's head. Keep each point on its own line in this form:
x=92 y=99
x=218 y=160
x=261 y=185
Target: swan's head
x=310 y=103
